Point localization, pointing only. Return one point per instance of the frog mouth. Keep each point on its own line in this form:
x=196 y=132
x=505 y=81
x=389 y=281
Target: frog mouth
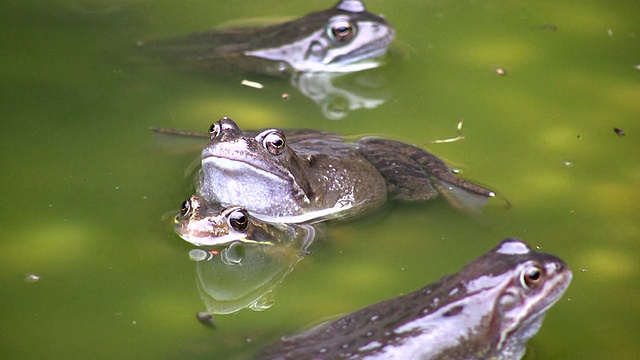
x=234 y=165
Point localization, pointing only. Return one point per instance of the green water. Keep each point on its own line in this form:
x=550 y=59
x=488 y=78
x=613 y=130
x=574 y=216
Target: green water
x=86 y=187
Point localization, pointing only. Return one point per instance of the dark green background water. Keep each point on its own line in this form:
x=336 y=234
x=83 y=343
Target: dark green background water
x=85 y=185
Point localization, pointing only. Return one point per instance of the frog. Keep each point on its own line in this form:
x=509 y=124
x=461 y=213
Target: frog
x=305 y=175
x=487 y=310
x=239 y=259
x=203 y=224
x=344 y=38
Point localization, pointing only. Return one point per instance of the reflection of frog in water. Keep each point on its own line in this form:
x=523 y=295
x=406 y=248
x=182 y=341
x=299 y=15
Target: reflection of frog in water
x=309 y=175
x=245 y=274
x=487 y=310
x=344 y=38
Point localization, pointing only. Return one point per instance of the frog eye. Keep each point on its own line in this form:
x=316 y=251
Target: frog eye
x=184 y=209
x=531 y=277
x=214 y=130
x=342 y=31
x=239 y=220
x=274 y=142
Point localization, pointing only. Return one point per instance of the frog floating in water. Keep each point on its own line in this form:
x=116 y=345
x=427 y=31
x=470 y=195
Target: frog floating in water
x=204 y=224
x=345 y=38
x=298 y=176
x=488 y=310
x=247 y=258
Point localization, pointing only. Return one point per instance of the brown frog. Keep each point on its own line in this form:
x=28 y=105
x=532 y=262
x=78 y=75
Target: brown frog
x=298 y=176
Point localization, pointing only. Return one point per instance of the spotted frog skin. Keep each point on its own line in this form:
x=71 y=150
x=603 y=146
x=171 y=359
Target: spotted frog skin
x=344 y=38
x=487 y=310
x=298 y=176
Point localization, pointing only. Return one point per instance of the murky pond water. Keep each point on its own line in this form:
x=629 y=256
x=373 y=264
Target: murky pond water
x=87 y=188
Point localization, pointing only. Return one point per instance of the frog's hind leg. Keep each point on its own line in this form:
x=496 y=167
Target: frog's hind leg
x=437 y=169
x=417 y=175
x=406 y=180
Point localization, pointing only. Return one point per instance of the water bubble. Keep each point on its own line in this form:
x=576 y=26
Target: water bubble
x=234 y=254
x=199 y=255
x=262 y=304
x=567 y=163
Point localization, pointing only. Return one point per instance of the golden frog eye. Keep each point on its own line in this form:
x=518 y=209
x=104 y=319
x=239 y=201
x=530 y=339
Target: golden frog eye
x=214 y=130
x=342 y=31
x=532 y=277
x=239 y=220
x=274 y=142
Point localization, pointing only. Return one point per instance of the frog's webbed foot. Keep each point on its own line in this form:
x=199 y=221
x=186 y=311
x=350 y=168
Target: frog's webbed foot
x=459 y=198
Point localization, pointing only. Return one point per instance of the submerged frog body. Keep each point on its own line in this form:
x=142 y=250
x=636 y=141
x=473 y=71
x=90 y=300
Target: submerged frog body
x=344 y=38
x=488 y=310
x=204 y=224
x=308 y=175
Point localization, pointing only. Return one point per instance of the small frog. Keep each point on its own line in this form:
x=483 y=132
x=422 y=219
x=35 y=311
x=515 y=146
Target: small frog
x=204 y=224
x=244 y=259
x=487 y=310
x=344 y=38
x=298 y=176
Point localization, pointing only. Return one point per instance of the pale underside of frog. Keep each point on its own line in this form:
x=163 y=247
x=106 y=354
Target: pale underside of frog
x=299 y=176
x=488 y=310
x=344 y=38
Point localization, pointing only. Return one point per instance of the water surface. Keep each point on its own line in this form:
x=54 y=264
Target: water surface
x=86 y=187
